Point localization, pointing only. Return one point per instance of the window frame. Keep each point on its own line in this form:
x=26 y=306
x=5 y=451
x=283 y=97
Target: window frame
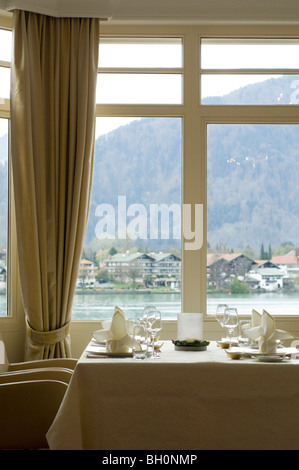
x=195 y=118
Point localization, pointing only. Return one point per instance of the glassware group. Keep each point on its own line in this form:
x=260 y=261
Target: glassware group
x=145 y=333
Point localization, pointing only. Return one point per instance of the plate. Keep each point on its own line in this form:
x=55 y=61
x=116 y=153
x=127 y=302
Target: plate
x=265 y=358
x=190 y=348
x=100 y=354
x=96 y=351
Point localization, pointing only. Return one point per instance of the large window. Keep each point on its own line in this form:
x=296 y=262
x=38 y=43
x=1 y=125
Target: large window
x=190 y=116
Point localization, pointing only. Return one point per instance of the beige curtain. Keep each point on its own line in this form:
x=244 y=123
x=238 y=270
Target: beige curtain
x=54 y=70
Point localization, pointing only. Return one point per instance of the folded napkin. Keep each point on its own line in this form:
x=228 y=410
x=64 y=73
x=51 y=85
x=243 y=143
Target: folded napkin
x=262 y=329
x=116 y=337
x=256 y=318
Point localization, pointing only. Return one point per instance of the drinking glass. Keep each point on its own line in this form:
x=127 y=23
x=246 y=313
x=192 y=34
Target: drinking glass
x=139 y=348
x=131 y=322
x=154 y=326
x=243 y=340
x=230 y=321
x=220 y=311
x=147 y=309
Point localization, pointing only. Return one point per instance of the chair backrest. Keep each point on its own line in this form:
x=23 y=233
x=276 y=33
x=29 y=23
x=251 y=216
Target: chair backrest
x=46 y=373
x=27 y=410
x=4 y=364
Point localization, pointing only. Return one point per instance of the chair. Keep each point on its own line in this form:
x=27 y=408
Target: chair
x=46 y=373
x=5 y=366
x=27 y=410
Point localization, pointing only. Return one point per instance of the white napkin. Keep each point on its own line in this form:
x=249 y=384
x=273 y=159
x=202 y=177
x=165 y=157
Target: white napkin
x=256 y=318
x=116 y=337
x=262 y=329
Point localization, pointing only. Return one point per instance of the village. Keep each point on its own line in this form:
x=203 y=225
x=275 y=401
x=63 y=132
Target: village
x=226 y=272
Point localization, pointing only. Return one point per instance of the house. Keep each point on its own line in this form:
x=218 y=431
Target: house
x=289 y=264
x=130 y=266
x=144 y=267
x=221 y=268
x=166 y=264
x=268 y=279
x=87 y=273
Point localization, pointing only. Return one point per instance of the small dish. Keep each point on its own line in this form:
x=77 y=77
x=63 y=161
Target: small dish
x=223 y=344
x=233 y=354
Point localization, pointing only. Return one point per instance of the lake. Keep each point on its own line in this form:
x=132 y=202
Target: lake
x=99 y=306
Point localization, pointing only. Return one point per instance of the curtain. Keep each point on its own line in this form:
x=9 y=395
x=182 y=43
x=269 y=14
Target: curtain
x=54 y=70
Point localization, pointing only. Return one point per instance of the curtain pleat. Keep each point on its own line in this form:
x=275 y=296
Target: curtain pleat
x=54 y=71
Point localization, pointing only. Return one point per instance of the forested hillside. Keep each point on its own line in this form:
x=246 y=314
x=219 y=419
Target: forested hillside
x=253 y=172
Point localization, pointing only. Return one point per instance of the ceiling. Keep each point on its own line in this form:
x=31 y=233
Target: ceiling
x=170 y=11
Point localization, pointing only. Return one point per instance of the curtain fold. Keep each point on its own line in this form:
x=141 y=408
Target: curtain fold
x=54 y=72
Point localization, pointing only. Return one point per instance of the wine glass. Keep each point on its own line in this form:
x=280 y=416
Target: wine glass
x=220 y=312
x=154 y=326
x=146 y=310
x=230 y=321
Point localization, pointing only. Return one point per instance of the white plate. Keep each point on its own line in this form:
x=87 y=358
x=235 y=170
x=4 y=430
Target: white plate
x=266 y=358
x=94 y=350
x=91 y=353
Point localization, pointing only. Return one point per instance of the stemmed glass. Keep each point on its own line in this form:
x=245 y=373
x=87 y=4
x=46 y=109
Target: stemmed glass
x=154 y=326
x=220 y=313
x=230 y=321
x=146 y=310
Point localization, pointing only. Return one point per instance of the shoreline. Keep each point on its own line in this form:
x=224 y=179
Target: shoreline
x=124 y=291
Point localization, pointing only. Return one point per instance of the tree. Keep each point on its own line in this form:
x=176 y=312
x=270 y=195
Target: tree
x=112 y=251
x=238 y=287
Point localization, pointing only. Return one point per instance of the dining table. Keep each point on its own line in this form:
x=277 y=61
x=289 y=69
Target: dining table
x=183 y=400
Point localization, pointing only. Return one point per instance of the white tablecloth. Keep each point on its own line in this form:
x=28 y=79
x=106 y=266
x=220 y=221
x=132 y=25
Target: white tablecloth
x=182 y=401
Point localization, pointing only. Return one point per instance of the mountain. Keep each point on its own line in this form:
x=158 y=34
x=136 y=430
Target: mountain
x=252 y=172
x=141 y=161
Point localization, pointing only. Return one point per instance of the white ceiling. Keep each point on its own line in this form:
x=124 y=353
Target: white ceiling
x=203 y=11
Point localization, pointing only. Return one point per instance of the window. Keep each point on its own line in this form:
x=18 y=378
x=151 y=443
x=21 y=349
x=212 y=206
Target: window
x=133 y=237
x=253 y=217
x=140 y=71
x=3 y=214
x=252 y=169
x=269 y=66
x=5 y=55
